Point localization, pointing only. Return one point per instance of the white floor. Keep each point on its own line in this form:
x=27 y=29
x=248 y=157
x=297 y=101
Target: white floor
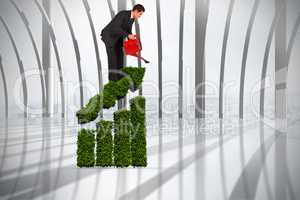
x=187 y=159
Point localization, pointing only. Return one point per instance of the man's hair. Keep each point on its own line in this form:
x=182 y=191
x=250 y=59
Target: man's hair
x=138 y=7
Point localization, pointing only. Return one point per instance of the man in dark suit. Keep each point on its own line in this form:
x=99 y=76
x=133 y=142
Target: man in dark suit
x=113 y=35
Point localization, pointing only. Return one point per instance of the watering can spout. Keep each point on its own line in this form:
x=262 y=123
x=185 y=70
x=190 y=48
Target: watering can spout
x=143 y=59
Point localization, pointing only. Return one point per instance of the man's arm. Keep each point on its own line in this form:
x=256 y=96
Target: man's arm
x=116 y=28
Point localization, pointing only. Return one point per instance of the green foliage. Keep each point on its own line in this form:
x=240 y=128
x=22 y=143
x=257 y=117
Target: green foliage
x=129 y=143
x=104 y=143
x=112 y=91
x=138 y=131
x=91 y=110
x=85 y=148
x=122 y=154
x=109 y=94
x=137 y=107
x=123 y=86
x=136 y=75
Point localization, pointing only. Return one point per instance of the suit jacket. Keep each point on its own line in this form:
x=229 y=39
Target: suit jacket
x=119 y=28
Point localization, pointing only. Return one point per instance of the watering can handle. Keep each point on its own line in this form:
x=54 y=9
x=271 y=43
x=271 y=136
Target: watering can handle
x=127 y=38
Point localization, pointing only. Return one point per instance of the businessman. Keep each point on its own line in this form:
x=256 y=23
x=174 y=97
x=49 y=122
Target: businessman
x=113 y=35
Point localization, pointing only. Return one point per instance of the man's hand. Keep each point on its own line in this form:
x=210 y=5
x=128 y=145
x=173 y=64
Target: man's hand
x=131 y=36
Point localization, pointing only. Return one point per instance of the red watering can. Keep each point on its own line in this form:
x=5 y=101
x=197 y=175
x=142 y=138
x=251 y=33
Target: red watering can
x=134 y=48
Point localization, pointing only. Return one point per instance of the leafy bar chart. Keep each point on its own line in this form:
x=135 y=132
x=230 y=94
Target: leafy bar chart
x=121 y=142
